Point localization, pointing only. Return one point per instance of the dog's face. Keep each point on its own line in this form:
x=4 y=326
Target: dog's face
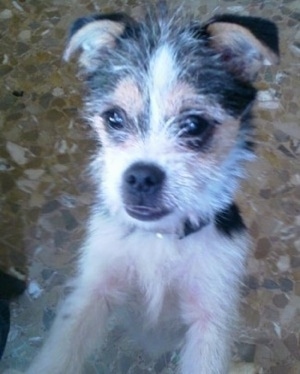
x=170 y=101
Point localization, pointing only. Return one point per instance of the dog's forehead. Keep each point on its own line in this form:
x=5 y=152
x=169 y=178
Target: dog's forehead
x=161 y=92
x=164 y=85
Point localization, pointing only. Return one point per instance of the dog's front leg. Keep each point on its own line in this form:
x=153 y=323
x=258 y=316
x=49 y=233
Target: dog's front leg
x=80 y=323
x=209 y=310
x=206 y=349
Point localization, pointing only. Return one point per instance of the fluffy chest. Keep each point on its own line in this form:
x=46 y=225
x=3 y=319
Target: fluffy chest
x=170 y=280
x=155 y=262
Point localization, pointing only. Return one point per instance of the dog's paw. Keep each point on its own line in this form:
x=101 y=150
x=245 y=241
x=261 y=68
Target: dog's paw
x=242 y=368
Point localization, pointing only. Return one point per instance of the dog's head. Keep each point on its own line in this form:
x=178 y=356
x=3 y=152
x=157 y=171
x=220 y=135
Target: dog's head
x=170 y=100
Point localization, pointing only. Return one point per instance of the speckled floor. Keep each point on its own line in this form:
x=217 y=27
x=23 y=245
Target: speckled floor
x=45 y=196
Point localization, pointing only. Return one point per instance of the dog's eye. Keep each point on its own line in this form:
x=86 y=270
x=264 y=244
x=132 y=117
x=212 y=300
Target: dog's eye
x=114 y=118
x=194 y=126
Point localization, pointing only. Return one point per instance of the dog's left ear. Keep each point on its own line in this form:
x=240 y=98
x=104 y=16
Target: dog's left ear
x=89 y=36
x=244 y=43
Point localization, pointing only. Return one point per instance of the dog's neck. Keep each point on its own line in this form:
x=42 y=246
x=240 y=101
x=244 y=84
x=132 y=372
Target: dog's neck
x=189 y=228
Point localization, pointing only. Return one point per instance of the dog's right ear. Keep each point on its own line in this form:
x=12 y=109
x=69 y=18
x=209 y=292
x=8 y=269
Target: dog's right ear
x=90 y=35
x=244 y=43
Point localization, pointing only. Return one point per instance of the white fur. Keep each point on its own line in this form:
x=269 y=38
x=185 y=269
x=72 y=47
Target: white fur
x=190 y=282
x=163 y=74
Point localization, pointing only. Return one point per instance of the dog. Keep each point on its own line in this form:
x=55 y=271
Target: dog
x=170 y=102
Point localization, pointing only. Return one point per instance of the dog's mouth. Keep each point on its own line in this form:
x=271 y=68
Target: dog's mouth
x=145 y=213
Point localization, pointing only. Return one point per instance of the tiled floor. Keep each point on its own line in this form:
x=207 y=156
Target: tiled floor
x=45 y=196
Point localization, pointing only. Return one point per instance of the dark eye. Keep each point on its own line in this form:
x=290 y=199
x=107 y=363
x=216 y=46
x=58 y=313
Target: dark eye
x=114 y=118
x=194 y=126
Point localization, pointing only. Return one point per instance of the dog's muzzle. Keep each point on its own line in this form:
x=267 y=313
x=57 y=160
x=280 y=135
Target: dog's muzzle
x=142 y=191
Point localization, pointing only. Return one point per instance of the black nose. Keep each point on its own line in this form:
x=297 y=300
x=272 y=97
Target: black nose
x=142 y=178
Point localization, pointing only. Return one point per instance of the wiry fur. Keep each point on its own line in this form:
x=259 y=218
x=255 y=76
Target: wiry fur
x=170 y=287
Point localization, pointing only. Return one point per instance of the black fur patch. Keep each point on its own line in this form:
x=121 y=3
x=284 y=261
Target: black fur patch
x=236 y=96
x=229 y=221
x=10 y=286
x=190 y=229
x=4 y=324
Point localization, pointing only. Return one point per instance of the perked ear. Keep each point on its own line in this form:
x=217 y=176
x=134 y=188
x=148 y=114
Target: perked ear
x=244 y=43
x=91 y=34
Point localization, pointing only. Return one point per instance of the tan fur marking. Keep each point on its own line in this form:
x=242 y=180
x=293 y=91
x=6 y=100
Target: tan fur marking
x=128 y=96
x=226 y=34
x=223 y=141
x=99 y=127
x=183 y=96
x=225 y=138
x=180 y=95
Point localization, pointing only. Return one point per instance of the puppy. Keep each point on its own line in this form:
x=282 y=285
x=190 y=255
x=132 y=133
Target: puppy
x=170 y=100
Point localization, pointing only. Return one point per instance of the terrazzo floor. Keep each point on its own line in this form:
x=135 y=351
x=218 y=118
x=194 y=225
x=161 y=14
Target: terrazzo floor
x=45 y=195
